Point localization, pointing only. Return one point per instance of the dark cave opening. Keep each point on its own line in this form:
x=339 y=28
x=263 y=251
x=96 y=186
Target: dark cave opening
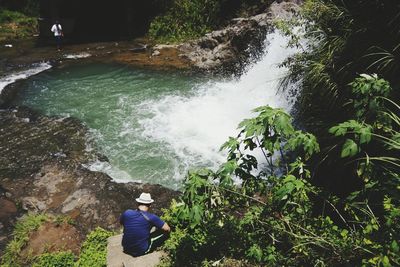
x=92 y=20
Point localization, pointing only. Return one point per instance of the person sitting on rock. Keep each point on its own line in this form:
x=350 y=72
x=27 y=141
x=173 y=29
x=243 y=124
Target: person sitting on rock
x=139 y=237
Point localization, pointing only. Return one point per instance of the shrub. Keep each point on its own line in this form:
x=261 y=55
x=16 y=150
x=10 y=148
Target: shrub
x=60 y=259
x=94 y=249
x=15 y=25
x=186 y=19
x=7 y=16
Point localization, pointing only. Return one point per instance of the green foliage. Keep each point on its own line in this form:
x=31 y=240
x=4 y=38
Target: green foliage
x=7 y=16
x=369 y=92
x=94 y=249
x=344 y=38
x=22 y=229
x=186 y=19
x=60 y=259
x=15 y=25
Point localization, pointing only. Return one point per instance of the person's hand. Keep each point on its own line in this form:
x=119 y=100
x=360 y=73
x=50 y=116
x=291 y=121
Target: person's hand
x=166 y=227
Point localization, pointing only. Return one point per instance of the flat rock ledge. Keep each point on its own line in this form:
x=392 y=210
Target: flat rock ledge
x=117 y=258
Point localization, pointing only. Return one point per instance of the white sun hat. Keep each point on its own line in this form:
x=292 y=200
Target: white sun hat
x=145 y=198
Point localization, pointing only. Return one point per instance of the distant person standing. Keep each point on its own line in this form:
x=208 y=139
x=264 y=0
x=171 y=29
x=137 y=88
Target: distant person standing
x=58 y=34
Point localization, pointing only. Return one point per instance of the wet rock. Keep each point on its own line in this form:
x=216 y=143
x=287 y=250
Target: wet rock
x=7 y=208
x=33 y=204
x=231 y=48
x=25 y=145
x=102 y=158
x=164 y=46
x=139 y=49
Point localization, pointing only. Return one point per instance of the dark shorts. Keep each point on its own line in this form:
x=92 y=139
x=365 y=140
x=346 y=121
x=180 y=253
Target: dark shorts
x=156 y=240
x=58 y=39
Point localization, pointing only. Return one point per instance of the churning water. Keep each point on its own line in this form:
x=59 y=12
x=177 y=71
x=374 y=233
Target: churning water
x=154 y=126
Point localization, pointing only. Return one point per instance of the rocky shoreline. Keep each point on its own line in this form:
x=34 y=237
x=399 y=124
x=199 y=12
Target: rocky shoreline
x=41 y=171
x=41 y=164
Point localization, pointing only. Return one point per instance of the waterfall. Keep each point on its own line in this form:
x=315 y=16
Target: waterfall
x=195 y=127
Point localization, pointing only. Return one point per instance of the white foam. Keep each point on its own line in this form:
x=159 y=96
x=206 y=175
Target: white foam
x=77 y=56
x=195 y=127
x=118 y=175
x=13 y=77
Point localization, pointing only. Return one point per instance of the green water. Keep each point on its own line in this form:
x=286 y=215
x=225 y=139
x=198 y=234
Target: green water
x=112 y=100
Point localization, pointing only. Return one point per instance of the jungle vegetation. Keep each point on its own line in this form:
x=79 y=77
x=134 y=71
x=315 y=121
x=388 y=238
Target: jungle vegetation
x=93 y=251
x=326 y=195
x=18 y=19
x=184 y=19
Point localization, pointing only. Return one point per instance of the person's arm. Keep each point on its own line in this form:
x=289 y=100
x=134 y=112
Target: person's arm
x=160 y=224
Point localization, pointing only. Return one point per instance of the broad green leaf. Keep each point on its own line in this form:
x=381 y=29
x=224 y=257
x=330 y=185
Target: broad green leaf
x=349 y=149
x=365 y=135
x=338 y=130
x=231 y=144
x=394 y=247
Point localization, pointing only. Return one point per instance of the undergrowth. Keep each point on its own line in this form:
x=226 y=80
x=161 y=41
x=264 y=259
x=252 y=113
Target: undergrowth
x=20 y=238
x=185 y=19
x=93 y=251
x=59 y=259
x=16 y=25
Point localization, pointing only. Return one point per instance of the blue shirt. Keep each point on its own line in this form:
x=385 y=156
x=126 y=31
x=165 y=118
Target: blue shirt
x=136 y=238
